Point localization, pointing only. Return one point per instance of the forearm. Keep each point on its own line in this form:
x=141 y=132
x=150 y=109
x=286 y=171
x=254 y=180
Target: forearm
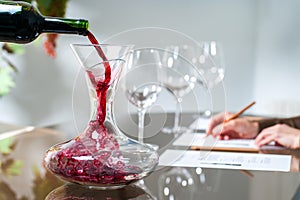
x=292 y=122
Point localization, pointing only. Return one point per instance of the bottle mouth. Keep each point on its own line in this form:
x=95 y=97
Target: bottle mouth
x=84 y=26
x=66 y=26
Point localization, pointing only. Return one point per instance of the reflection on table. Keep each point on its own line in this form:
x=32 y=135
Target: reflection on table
x=22 y=175
x=74 y=191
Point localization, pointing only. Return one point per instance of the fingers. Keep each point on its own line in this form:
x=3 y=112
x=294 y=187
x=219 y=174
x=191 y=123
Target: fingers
x=226 y=131
x=223 y=129
x=265 y=137
x=280 y=134
x=223 y=137
x=215 y=121
x=237 y=128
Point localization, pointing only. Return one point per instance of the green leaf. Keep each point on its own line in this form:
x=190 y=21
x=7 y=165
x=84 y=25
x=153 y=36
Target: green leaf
x=12 y=167
x=43 y=4
x=6 y=146
x=54 y=8
x=15 y=48
x=6 y=80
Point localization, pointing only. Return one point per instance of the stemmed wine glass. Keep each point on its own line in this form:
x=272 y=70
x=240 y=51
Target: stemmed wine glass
x=178 y=75
x=141 y=83
x=209 y=60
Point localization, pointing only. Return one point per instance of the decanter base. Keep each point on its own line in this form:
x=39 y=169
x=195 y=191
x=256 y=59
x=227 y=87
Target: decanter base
x=106 y=186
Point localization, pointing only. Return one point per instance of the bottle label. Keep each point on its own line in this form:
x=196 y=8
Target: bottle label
x=10 y=8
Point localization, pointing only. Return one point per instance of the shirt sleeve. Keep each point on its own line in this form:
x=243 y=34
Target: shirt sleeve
x=292 y=121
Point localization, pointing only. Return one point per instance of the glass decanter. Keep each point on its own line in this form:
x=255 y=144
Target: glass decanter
x=101 y=156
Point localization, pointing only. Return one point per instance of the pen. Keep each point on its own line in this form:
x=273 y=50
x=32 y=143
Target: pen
x=236 y=115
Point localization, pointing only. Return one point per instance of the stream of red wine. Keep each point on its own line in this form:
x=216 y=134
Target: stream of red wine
x=100 y=86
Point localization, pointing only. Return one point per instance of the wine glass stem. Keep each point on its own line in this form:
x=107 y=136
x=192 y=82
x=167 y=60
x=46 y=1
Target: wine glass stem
x=141 y=113
x=177 y=114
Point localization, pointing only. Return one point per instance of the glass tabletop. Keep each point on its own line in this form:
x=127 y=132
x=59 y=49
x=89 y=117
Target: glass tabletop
x=22 y=175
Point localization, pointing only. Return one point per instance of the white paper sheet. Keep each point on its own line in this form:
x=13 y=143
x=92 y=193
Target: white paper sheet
x=199 y=139
x=225 y=160
x=200 y=123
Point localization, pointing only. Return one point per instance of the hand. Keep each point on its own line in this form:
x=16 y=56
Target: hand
x=217 y=120
x=237 y=128
x=282 y=134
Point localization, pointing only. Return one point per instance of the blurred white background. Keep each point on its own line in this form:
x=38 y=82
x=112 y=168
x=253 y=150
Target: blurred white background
x=260 y=40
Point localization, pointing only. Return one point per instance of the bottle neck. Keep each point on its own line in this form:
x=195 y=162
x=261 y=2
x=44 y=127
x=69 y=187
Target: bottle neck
x=65 y=26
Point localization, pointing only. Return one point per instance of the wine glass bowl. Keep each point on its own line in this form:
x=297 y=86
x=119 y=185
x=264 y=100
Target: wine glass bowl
x=144 y=96
x=210 y=63
x=179 y=76
x=209 y=59
x=179 y=85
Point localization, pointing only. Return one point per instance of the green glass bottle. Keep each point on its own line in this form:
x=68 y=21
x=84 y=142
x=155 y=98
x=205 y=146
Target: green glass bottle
x=21 y=22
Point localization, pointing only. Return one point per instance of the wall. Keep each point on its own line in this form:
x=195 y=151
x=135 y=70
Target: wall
x=277 y=58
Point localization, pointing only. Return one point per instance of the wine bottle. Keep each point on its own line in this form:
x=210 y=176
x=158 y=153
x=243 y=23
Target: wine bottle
x=21 y=22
